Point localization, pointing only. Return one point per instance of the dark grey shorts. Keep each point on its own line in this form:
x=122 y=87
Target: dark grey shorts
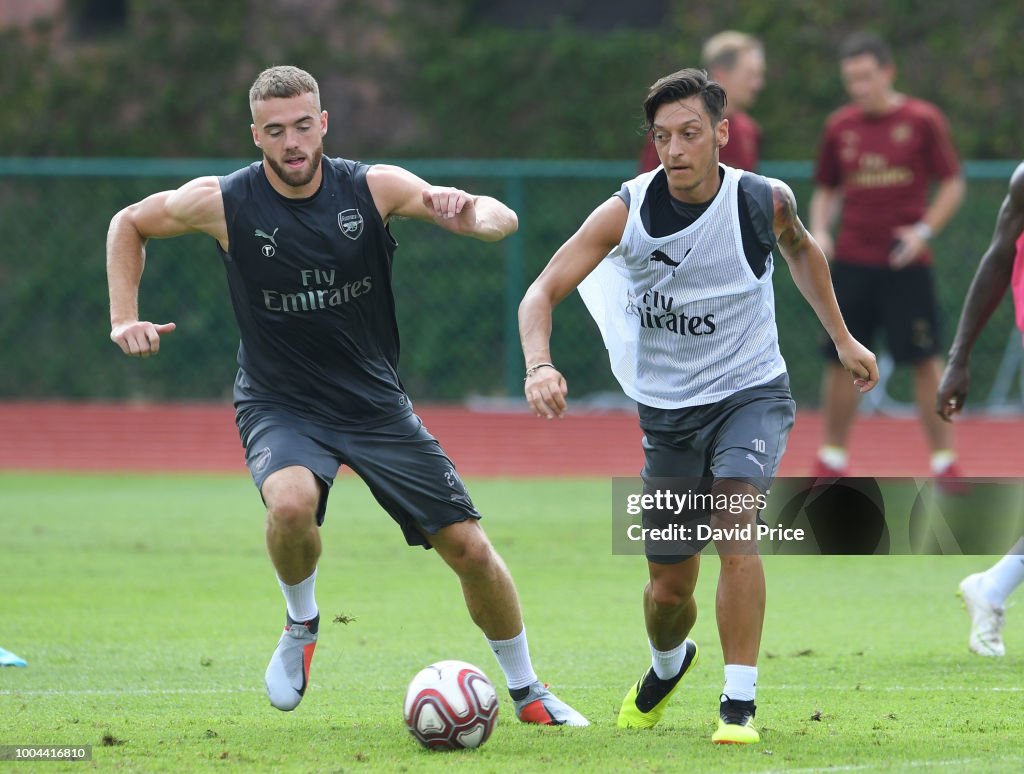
x=741 y=438
x=402 y=464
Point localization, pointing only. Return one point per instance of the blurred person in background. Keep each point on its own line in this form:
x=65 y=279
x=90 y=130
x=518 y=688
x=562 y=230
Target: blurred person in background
x=307 y=247
x=1001 y=267
x=878 y=156
x=736 y=61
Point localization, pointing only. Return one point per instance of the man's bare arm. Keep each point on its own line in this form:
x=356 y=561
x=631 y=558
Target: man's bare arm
x=810 y=272
x=398 y=192
x=825 y=206
x=912 y=238
x=546 y=388
x=990 y=282
x=197 y=206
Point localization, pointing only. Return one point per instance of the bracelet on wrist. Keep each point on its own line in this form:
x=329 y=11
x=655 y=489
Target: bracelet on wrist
x=923 y=230
x=535 y=368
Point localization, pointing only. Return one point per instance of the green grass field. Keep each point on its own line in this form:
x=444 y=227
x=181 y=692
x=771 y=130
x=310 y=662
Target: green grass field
x=147 y=610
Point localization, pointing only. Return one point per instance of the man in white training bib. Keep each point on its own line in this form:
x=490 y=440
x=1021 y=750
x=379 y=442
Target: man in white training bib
x=676 y=269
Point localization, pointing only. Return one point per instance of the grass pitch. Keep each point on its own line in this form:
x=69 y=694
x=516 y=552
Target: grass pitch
x=147 y=610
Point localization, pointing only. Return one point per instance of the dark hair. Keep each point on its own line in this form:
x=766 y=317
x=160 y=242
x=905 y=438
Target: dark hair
x=860 y=43
x=683 y=84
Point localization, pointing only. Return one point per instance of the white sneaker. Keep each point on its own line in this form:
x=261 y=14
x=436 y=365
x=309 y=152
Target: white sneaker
x=986 y=618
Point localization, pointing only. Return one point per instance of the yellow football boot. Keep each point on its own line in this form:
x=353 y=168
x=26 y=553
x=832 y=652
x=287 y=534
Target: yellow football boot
x=735 y=723
x=645 y=702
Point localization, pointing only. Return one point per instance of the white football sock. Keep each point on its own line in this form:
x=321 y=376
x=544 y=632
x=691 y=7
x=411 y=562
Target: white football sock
x=301 y=599
x=514 y=659
x=1005 y=575
x=667 y=663
x=941 y=460
x=740 y=682
x=834 y=456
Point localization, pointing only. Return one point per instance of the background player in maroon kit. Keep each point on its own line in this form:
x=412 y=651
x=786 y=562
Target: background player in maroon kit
x=736 y=61
x=878 y=156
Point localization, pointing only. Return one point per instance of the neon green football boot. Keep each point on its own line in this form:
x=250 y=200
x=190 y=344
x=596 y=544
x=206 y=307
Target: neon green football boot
x=734 y=723
x=645 y=703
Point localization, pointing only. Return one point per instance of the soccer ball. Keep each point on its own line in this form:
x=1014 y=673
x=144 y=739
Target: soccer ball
x=451 y=705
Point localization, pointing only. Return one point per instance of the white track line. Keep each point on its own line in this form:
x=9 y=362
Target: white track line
x=894 y=688
x=958 y=763
x=126 y=691
x=766 y=689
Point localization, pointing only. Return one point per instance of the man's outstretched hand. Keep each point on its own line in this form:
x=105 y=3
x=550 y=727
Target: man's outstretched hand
x=139 y=338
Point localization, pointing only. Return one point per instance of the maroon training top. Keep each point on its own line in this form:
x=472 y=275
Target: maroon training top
x=883 y=166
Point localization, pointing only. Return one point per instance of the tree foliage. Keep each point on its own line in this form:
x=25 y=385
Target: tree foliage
x=427 y=78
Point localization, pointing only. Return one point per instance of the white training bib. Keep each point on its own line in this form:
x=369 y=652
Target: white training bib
x=685 y=320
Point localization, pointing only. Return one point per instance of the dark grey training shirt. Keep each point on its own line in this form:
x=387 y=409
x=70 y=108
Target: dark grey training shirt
x=310 y=281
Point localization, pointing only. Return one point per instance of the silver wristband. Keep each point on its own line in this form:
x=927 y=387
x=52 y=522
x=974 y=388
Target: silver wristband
x=923 y=230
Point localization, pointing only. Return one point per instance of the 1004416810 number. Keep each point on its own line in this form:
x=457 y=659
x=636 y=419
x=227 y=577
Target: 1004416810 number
x=29 y=752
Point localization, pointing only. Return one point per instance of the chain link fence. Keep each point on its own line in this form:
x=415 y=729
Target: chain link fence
x=456 y=298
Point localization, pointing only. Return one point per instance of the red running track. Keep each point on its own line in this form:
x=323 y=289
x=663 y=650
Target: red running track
x=202 y=437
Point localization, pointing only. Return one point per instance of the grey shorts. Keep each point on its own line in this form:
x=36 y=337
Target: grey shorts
x=402 y=464
x=741 y=438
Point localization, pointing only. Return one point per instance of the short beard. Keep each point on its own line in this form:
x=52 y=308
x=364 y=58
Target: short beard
x=297 y=178
x=711 y=169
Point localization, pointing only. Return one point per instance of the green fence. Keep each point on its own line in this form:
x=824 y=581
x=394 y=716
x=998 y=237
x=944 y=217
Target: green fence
x=456 y=298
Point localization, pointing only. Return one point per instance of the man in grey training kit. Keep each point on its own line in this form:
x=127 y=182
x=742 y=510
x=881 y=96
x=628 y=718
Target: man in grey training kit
x=306 y=244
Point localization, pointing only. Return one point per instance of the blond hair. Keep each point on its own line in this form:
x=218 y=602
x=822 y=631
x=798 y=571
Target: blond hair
x=724 y=49
x=282 y=81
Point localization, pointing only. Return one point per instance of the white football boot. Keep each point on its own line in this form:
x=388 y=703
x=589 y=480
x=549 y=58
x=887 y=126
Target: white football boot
x=288 y=672
x=986 y=618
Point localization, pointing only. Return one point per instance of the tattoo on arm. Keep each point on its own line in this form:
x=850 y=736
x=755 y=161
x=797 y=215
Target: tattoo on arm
x=788 y=228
